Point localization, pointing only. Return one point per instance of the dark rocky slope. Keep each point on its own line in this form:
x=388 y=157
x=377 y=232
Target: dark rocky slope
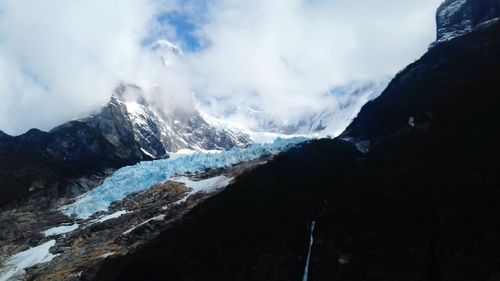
x=421 y=205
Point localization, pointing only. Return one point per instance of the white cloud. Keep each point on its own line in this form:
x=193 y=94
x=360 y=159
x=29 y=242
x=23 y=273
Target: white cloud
x=60 y=59
x=285 y=54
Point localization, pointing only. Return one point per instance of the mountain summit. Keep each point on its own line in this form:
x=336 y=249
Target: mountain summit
x=458 y=17
x=158 y=131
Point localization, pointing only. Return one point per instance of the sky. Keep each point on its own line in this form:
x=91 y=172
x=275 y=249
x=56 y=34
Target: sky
x=61 y=59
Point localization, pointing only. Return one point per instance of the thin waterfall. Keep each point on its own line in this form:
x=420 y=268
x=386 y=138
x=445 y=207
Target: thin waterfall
x=311 y=242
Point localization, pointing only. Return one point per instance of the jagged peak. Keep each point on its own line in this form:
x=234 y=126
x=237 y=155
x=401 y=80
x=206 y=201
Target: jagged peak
x=166 y=45
x=455 y=18
x=126 y=92
x=167 y=51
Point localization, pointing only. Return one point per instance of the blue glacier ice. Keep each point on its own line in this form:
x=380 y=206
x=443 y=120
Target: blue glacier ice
x=144 y=175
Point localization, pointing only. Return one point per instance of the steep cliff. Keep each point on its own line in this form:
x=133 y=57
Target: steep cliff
x=458 y=17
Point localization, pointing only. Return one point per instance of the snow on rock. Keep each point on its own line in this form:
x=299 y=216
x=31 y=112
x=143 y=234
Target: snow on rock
x=111 y=216
x=452 y=20
x=144 y=175
x=58 y=230
x=147 y=153
x=205 y=185
x=14 y=267
x=107 y=255
x=455 y=18
x=157 y=218
x=157 y=128
x=449 y=10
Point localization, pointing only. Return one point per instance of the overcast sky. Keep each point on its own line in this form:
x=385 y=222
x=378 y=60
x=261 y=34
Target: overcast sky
x=61 y=59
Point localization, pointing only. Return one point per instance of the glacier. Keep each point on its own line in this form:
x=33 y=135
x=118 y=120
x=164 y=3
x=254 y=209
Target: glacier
x=144 y=175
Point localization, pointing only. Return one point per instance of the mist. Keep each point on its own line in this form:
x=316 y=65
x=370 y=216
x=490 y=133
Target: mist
x=283 y=56
x=61 y=60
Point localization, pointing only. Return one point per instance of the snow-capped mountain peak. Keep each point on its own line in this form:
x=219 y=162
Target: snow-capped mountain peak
x=158 y=130
x=342 y=104
x=165 y=45
x=455 y=18
x=167 y=51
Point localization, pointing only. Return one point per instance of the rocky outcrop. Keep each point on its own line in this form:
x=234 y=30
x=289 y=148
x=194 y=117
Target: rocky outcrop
x=158 y=131
x=119 y=122
x=458 y=17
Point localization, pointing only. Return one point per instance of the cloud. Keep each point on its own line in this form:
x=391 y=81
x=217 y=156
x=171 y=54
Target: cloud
x=283 y=55
x=61 y=59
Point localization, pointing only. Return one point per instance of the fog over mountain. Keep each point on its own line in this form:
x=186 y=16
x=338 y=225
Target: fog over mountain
x=61 y=60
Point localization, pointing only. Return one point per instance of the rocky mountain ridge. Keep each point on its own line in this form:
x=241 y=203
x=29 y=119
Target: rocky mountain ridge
x=125 y=131
x=458 y=17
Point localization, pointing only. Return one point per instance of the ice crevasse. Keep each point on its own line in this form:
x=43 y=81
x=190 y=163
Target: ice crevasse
x=144 y=175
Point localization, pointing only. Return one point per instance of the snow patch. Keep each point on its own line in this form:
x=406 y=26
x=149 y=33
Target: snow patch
x=107 y=255
x=157 y=218
x=451 y=9
x=134 y=109
x=208 y=185
x=205 y=185
x=14 y=267
x=111 y=216
x=147 y=153
x=58 y=230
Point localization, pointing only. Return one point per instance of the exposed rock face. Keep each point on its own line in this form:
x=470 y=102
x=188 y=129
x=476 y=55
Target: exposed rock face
x=458 y=17
x=158 y=131
x=125 y=131
x=119 y=122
